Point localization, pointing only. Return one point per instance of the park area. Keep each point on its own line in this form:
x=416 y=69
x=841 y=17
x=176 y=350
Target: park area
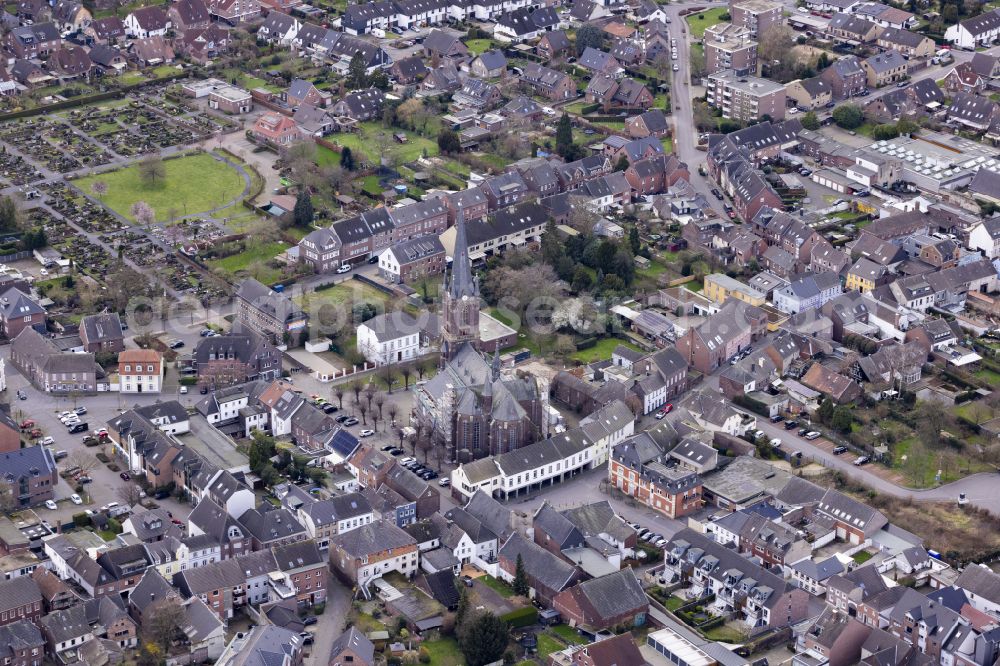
x=188 y=185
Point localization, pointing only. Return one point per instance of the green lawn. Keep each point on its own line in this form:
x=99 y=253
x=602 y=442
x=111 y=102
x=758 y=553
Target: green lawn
x=602 y=350
x=989 y=375
x=862 y=556
x=444 y=652
x=497 y=585
x=568 y=634
x=724 y=634
x=351 y=291
x=547 y=645
x=674 y=602
x=477 y=46
x=366 y=143
x=698 y=22
x=654 y=270
x=193 y=184
x=252 y=262
x=668 y=144
x=500 y=317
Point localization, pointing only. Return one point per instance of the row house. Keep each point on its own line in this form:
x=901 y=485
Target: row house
x=759 y=599
x=33 y=41
x=549 y=83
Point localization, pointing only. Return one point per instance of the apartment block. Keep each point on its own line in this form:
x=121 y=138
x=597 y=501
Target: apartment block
x=755 y=15
x=729 y=46
x=746 y=98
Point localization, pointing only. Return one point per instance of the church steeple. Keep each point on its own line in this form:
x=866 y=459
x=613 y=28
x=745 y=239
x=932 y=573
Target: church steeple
x=496 y=364
x=460 y=300
x=462 y=282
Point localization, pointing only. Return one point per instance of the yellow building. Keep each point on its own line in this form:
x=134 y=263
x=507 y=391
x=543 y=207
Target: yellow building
x=719 y=287
x=864 y=275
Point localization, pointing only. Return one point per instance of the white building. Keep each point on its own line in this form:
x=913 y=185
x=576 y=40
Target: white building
x=549 y=461
x=985 y=237
x=140 y=371
x=393 y=337
x=976 y=31
x=809 y=293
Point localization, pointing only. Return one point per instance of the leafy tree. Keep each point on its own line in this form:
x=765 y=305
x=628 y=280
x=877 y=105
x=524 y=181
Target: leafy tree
x=582 y=280
x=357 y=76
x=379 y=79
x=905 y=126
x=303 y=212
x=823 y=61
x=588 y=35
x=842 y=419
x=521 y=586
x=462 y=611
x=564 y=135
x=633 y=240
x=9 y=215
x=347 y=159
x=261 y=450
x=448 y=142
x=848 y=116
x=483 y=639
x=825 y=411
x=152 y=169
x=810 y=121
x=886 y=131
x=622 y=163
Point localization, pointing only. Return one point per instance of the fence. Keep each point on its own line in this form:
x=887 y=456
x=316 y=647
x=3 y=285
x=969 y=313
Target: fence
x=17 y=256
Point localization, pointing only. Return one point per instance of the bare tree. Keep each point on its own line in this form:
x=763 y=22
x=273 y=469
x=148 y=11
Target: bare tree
x=425 y=444
x=376 y=417
x=363 y=408
x=423 y=367
x=356 y=390
x=401 y=435
x=162 y=622
x=129 y=493
x=369 y=394
x=393 y=411
x=379 y=403
x=407 y=371
x=152 y=169
x=338 y=391
x=80 y=458
x=388 y=375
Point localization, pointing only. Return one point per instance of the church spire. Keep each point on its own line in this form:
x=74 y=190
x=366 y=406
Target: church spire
x=496 y=364
x=462 y=283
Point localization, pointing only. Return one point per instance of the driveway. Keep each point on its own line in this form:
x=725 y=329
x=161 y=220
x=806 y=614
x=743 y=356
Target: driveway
x=331 y=623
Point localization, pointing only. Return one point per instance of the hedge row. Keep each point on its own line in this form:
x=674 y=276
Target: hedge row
x=521 y=617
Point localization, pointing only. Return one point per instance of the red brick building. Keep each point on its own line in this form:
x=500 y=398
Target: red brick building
x=20 y=599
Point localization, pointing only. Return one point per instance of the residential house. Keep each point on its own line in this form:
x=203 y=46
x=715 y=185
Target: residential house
x=553 y=45
x=151 y=51
x=19 y=311
x=140 y=371
x=846 y=76
x=20 y=598
x=638 y=468
x=885 y=68
x=52 y=370
x=361 y=555
x=616 y=599
x=962 y=78
x=269 y=313
x=852 y=29
x=102 y=332
x=235 y=358
x=549 y=83
x=188 y=15
x=910 y=44
x=547 y=574
x=810 y=94
x=979 y=30
x=837 y=387
x=275 y=129
x=146 y=22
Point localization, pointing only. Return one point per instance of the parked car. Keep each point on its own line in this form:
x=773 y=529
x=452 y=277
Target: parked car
x=346 y=268
x=46 y=441
x=962 y=499
x=342 y=418
x=124 y=476
x=717 y=194
x=862 y=460
x=812 y=435
x=183 y=390
x=59 y=455
x=351 y=422
x=445 y=482
x=52 y=506
x=366 y=433
x=75 y=499
x=791 y=424
x=80 y=410
x=837 y=450
x=78 y=427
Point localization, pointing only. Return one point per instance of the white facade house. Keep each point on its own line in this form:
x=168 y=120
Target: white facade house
x=393 y=337
x=985 y=237
x=809 y=293
x=976 y=31
x=142 y=24
x=140 y=371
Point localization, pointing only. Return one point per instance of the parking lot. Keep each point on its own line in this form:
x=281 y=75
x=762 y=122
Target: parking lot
x=44 y=410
